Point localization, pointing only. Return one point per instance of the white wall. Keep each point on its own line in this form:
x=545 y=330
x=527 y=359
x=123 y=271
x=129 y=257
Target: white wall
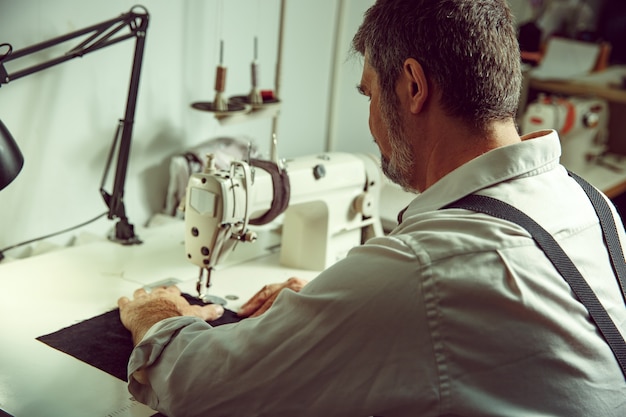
x=349 y=129
x=64 y=117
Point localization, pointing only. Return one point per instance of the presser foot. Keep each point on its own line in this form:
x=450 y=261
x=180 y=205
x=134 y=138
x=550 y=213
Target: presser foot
x=203 y=290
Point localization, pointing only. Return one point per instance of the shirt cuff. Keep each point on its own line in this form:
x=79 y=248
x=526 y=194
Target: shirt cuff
x=150 y=348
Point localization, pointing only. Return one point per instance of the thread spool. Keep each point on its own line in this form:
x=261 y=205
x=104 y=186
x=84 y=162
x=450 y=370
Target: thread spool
x=256 y=98
x=219 y=104
x=220 y=79
x=255 y=95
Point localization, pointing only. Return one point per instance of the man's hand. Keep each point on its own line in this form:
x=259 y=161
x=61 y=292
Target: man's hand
x=146 y=309
x=263 y=299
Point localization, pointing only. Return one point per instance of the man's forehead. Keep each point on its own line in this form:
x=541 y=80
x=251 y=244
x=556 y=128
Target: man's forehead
x=368 y=72
x=366 y=59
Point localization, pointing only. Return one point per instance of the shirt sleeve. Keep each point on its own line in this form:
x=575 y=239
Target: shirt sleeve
x=335 y=348
x=148 y=351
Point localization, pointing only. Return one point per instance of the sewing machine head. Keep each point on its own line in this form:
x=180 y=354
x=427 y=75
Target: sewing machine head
x=216 y=212
x=323 y=206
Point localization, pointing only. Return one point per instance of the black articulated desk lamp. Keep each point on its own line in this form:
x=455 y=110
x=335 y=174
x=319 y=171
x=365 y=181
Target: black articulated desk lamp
x=130 y=25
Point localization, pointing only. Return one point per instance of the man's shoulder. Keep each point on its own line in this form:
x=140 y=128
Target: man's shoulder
x=454 y=231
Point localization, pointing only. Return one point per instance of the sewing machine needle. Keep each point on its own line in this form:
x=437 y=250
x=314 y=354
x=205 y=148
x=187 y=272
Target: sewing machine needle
x=199 y=284
x=202 y=295
x=208 y=278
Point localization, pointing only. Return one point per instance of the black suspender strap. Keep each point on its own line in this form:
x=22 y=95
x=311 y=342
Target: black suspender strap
x=562 y=262
x=609 y=230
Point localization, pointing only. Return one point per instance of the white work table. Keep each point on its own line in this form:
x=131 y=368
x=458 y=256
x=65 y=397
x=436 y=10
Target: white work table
x=45 y=293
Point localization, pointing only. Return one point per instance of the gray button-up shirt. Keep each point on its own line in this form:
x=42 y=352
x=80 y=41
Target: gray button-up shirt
x=454 y=313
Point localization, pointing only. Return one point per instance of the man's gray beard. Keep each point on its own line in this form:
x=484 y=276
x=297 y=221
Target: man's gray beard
x=398 y=169
x=392 y=172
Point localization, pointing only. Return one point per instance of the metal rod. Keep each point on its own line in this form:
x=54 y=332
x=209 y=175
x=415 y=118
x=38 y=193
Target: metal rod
x=72 y=35
x=333 y=98
x=256 y=48
x=279 y=60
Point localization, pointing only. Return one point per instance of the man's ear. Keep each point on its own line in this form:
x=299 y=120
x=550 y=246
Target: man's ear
x=415 y=84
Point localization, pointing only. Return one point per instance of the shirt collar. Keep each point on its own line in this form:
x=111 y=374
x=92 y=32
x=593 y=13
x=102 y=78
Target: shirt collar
x=537 y=152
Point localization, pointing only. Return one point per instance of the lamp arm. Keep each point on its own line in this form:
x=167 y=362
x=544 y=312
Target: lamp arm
x=101 y=35
x=124 y=231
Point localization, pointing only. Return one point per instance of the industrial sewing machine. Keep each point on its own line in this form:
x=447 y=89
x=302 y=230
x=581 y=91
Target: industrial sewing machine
x=321 y=205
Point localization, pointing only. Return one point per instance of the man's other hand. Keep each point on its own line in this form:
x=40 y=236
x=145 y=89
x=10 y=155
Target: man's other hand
x=264 y=299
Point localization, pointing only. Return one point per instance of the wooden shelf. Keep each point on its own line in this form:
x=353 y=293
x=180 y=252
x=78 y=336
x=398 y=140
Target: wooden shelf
x=578 y=88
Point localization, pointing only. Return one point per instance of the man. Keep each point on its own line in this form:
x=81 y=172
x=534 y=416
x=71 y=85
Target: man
x=455 y=313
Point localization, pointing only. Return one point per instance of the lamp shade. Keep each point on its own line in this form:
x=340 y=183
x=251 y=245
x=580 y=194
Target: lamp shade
x=11 y=159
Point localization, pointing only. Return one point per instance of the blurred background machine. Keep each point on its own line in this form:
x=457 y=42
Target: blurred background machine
x=582 y=124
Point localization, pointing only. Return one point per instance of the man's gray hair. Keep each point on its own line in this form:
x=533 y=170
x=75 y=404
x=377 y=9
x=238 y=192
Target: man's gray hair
x=468 y=48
